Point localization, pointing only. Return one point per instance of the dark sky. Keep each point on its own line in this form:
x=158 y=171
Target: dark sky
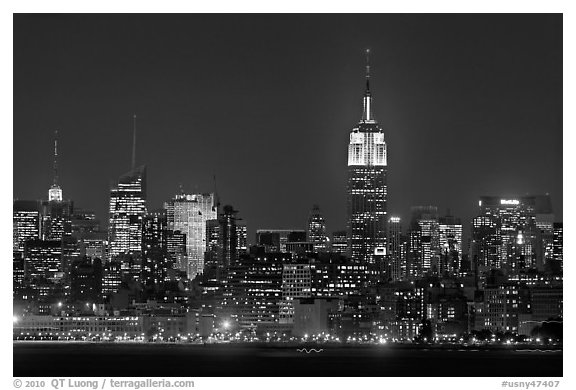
x=470 y=104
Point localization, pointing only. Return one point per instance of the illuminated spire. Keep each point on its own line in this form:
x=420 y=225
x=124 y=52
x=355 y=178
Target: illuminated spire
x=134 y=146
x=367 y=101
x=55 y=192
x=55 y=183
x=367 y=71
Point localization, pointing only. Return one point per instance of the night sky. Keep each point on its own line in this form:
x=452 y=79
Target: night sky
x=471 y=105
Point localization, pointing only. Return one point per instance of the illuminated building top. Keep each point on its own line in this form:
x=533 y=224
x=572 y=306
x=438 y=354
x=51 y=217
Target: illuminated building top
x=367 y=146
x=55 y=192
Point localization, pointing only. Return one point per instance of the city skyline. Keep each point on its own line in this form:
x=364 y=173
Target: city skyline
x=320 y=90
x=378 y=190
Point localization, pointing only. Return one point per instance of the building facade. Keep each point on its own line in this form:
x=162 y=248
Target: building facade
x=367 y=187
x=191 y=213
x=127 y=211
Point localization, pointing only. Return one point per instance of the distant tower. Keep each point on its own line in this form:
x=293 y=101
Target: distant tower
x=424 y=241
x=226 y=239
x=56 y=213
x=191 y=213
x=367 y=188
x=127 y=209
x=317 y=229
x=396 y=250
x=55 y=192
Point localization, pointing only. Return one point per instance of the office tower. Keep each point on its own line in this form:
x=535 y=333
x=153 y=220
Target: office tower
x=276 y=240
x=317 y=230
x=524 y=230
x=424 y=241
x=176 y=247
x=367 y=189
x=226 y=239
x=296 y=283
x=450 y=234
x=485 y=245
x=25 y=223
x=396 y=250
x=190 y=215
x=339 y=242
x=42 y=259
x=127 y=210
x=155 y=259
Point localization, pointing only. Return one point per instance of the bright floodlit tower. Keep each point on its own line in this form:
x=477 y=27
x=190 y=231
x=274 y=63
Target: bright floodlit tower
x=367 y=188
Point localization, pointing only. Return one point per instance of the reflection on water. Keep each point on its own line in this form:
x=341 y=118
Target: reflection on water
x=100 y=359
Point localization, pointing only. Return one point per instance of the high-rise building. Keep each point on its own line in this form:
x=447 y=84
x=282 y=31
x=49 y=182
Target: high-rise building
x=485 y=245
x=396 y=250
x=190 y=215
x=43 y=259
x=424 y=241
x=56 y=219
x=176 y=246
x=226 y=239
x=253 y=291
x=450 y=234
x=55 y=192
x=155 y=259
x=56 y=212
x=339 y=242
x=523 y=225
x=317 y=230
x=367 y=188
x=127 y=210
x=25 y=223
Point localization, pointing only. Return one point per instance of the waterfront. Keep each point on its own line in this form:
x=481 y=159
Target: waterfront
x=217 y=360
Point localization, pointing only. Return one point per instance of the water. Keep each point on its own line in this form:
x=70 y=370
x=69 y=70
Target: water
x=111 y=359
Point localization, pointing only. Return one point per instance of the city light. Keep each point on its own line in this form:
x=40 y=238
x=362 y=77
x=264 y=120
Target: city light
x=163 y=267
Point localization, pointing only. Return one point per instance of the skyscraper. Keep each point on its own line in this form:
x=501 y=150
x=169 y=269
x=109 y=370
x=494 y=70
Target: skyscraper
x=450 y=231
x=190 y=215
x=424 y=241
x=127 y=209
x=55 y=192
x=56 y=212
x=155 y=259
x=226 y=239
x=396 y=250
x=317 y=230
x=25 y=223
x=367 y=189
x=523 y=226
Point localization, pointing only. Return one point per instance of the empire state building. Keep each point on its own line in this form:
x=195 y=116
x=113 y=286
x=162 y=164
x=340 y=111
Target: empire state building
x=367 y=190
